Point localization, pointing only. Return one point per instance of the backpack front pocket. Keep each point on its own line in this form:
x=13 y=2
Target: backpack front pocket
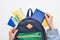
x=30 y=36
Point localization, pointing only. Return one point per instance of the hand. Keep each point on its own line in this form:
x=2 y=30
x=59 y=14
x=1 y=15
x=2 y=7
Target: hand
x=12 y=33
x=49 y=19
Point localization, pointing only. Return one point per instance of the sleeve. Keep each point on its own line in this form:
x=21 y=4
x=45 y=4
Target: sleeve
x=52 y=32
x=53 y=35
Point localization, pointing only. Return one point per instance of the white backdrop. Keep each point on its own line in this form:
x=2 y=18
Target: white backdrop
x=7 y=6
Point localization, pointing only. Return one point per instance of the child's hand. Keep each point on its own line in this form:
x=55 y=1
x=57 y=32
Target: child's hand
x=12 y=33
x=49 y=19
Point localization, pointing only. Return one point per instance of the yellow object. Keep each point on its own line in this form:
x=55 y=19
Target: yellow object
x=29 y=26
x=19 y=13
x=44 y=23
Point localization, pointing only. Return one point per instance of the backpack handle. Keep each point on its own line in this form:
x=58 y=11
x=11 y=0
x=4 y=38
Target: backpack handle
x=29 y=12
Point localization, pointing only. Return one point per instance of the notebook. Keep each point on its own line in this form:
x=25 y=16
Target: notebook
x=40 y=16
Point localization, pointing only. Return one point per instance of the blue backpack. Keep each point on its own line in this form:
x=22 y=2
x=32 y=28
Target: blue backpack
x=30 y=29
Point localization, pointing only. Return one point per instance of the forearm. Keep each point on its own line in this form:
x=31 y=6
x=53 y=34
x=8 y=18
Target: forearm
x=51 y=27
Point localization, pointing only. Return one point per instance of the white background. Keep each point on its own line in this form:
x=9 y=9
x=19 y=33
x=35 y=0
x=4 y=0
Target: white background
x=7 y=6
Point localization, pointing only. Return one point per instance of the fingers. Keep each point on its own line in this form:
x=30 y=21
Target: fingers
x=13 y=30
x=12 y=33
x=46 y=16
x=49 y=15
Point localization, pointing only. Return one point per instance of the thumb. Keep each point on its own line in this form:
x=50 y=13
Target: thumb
x=15 y=32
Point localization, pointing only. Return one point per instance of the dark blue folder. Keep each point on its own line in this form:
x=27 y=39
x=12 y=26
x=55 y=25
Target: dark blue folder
x=38 y=15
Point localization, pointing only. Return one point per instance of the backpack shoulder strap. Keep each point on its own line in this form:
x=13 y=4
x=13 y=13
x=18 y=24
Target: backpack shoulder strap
x=29 y=12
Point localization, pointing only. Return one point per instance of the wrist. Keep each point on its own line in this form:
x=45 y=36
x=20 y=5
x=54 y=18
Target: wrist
x=51 y=27
x=11 y=39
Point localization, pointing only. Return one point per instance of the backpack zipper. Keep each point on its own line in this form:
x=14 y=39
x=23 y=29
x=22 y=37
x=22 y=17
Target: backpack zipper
x=28 y=36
